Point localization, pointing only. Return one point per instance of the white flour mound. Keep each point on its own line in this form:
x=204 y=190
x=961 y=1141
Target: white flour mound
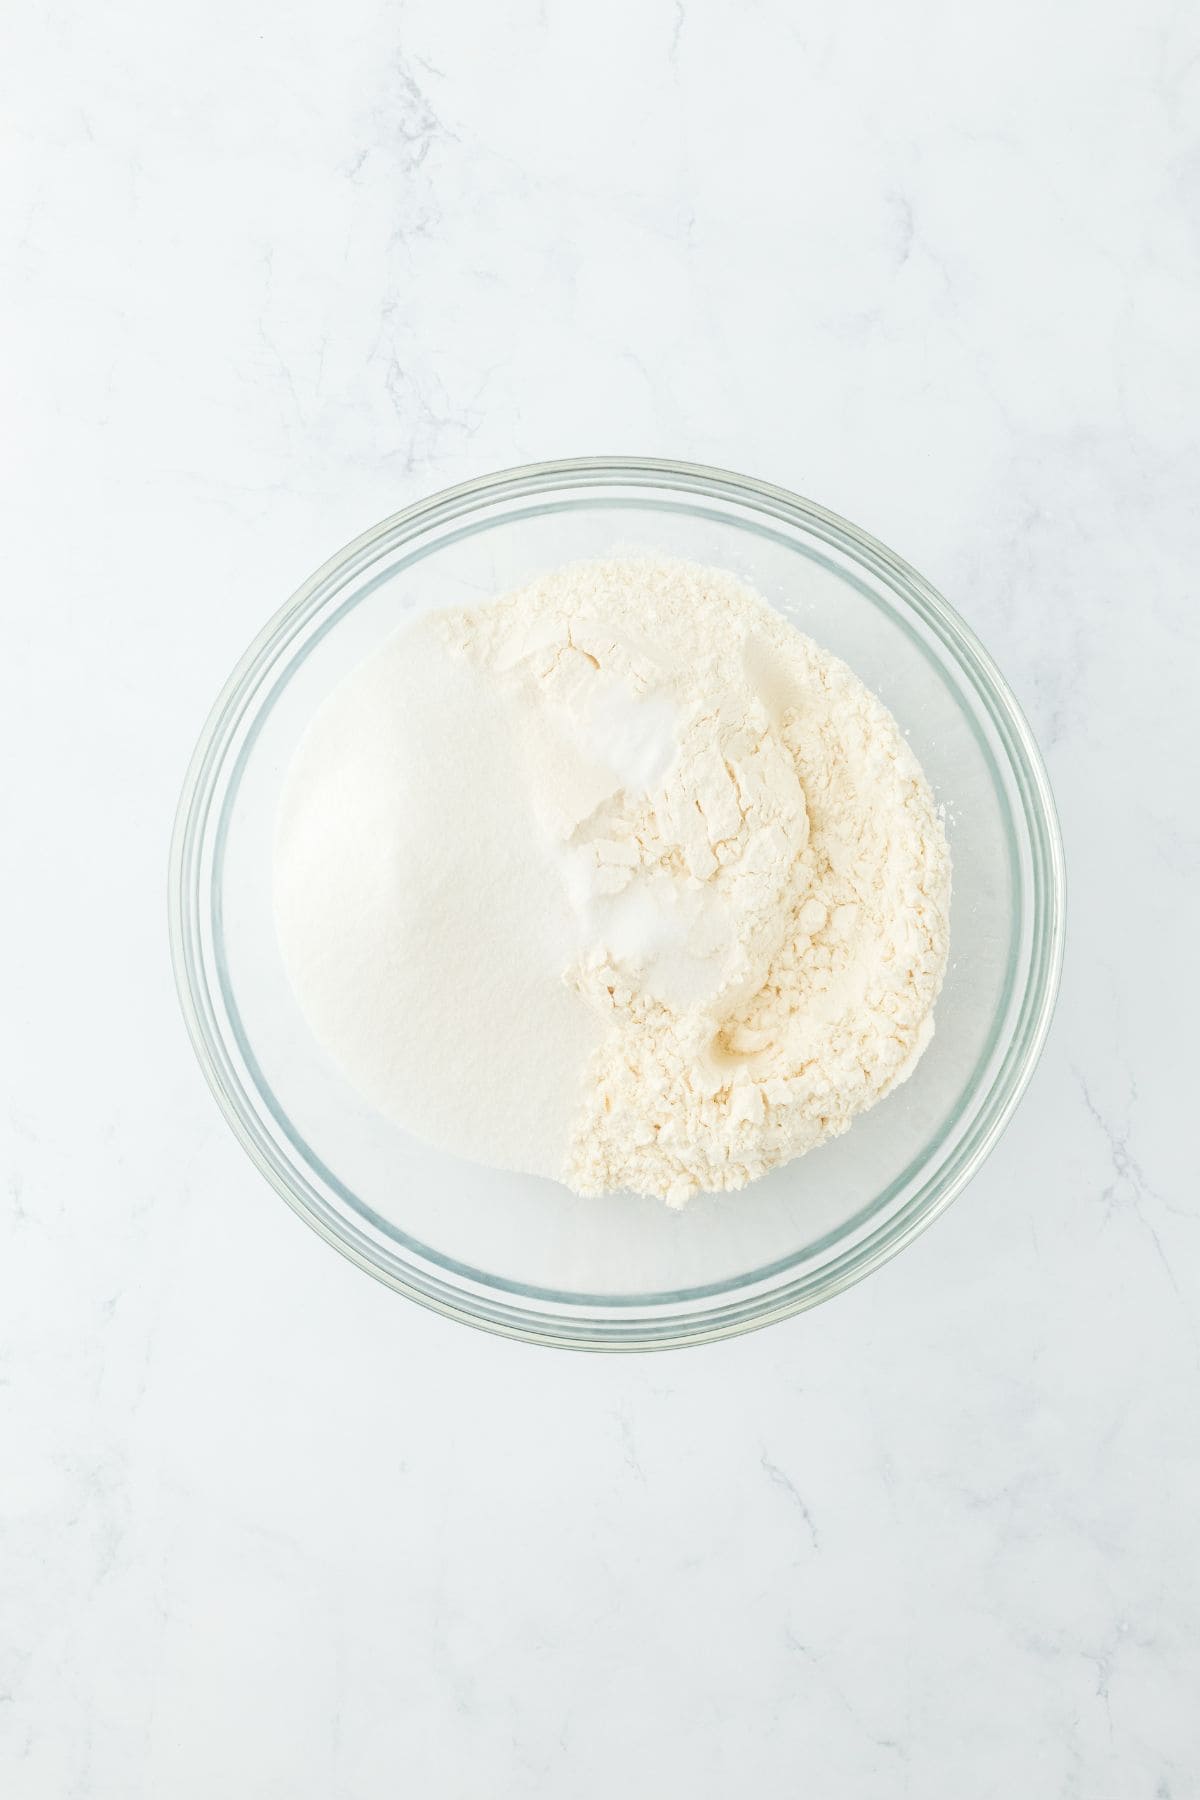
x=657 y=884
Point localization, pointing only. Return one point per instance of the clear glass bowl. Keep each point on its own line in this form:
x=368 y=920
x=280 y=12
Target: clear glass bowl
x=520 y=1255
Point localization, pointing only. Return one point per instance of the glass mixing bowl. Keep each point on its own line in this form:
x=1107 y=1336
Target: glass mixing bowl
x=520 y=1255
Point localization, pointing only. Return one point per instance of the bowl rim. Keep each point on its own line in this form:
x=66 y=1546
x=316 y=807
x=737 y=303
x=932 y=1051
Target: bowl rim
x=621 y=1330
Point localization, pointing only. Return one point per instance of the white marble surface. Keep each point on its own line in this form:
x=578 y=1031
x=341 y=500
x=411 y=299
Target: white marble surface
x=270 y=272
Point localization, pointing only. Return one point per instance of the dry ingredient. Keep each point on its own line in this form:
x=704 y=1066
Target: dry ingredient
x=618 y=879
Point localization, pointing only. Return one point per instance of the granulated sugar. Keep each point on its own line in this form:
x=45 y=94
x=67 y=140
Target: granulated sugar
x=618 y=878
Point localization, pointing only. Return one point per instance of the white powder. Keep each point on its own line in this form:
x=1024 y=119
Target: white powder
x=618 y=878
x=424 y=933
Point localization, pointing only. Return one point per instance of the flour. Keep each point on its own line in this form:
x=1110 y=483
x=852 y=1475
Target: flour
x=691 y=886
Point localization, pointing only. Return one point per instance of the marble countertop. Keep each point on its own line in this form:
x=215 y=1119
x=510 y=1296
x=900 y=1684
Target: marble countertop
x=270 y=272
